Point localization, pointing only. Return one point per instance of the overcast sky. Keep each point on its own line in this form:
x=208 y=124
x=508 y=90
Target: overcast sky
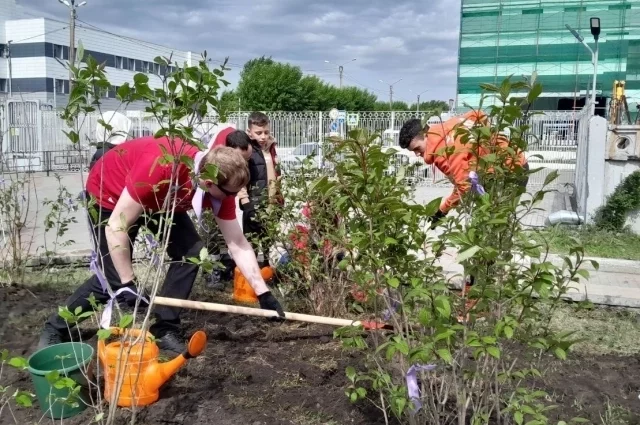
x=415 y=40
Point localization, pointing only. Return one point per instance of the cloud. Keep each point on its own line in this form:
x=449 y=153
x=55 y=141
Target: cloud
x=409 y=40
x=312 y=37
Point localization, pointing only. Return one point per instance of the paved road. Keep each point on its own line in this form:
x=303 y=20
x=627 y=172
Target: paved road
x=44 y=187
x=616 y=283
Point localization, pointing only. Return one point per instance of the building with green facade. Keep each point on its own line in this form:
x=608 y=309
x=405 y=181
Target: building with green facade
x=499 y=38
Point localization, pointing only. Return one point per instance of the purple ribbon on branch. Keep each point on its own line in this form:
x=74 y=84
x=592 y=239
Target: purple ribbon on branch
x=94 y=267
x=105 y=320
x=475 y=185
x=412 y=383
x=151 y=245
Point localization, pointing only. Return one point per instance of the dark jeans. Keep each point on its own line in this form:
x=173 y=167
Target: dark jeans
x=523 y=183
x=256 y=232
x=184 y=241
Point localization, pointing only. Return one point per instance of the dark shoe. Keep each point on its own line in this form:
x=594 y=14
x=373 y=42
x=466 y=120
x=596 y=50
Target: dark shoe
x=214 y=281
x=171 y=342
x=51 y=336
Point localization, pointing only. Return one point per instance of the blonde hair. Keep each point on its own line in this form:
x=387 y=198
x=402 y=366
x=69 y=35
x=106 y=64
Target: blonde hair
x=233 y=171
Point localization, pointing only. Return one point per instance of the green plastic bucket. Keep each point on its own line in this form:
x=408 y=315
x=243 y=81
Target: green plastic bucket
x=69 y=359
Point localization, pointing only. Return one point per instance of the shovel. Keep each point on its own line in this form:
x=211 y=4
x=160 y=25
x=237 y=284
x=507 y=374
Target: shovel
x=249 y=311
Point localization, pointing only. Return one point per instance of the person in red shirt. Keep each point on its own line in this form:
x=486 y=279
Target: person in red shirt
x=133 y=179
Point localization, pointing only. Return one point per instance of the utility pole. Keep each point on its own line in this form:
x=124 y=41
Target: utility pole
x=341 y=69
x=7 y=53
x=71 y=4
x=391 y=93
x=418 y=104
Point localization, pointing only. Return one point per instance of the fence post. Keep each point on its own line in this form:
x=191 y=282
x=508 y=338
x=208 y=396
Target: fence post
x=595 y=167
x=320 y=137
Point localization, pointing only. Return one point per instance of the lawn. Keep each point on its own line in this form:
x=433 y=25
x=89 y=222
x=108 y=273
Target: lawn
x=597 y=243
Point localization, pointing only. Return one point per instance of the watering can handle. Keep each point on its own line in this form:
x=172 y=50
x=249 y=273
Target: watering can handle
x=249 y=311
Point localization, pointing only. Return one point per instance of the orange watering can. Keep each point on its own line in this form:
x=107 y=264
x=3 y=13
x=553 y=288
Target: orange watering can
x=135 y=359
x=242 y=290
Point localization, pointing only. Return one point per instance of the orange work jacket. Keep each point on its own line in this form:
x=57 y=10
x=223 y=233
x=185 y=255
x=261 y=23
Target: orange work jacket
x=462 y=161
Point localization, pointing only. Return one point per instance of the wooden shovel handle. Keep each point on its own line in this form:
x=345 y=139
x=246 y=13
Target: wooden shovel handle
x=249 y=311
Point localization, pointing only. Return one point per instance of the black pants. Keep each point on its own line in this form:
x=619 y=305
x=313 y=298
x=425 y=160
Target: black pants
x=256 y=232
x=184 y=241
x=522 y=183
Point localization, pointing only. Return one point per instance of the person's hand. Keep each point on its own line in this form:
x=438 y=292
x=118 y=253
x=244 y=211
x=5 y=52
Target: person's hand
x=435 y=219
x=269 y=302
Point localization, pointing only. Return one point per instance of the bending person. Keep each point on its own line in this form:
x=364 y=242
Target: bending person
x=131 y=179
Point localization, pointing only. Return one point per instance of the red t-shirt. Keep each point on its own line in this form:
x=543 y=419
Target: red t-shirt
x=134 y=165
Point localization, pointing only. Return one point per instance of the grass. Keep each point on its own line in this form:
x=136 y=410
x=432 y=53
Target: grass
x=603 y=330
x=596 y=243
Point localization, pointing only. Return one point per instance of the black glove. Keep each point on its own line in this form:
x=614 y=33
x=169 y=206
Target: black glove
x=269 y=302
x=435 y=219
x=129 y=298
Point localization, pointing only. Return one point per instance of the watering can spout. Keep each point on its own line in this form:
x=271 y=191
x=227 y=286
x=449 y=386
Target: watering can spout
x=159 y=373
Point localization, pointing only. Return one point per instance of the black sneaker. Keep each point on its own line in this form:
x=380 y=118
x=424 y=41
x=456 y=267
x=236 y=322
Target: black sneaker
x=171 y=342
x=51 y=336
x=214 y=281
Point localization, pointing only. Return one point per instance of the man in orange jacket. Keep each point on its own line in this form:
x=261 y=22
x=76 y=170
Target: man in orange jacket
x=431 y=143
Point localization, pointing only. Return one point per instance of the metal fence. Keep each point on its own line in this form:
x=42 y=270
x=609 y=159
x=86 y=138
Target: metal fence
x=34 y=139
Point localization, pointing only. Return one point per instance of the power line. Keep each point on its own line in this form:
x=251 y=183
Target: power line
x=363 y=85
x=39 y=35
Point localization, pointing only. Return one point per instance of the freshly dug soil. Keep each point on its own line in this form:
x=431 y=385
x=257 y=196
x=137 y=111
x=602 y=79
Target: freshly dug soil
x=255 y=372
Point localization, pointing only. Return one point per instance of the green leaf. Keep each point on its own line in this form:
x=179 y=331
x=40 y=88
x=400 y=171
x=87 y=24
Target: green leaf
x=445 y=355
x=140 y=78
x=99 y=417
x=595 y=265
x=551 y=177
x=508 y=332
x=494 y=352
x=351 y=373
x=394 y=282
x=204 y=254
x=465 y=255
x=584 y=273
x=126 y=320
x=443 y=306
x=18 y=362
x=24 y=399
x=4 y=355
x=518 y=417
x=104 y=334
x=489 y=87
x=560 y=353
x=535 y=92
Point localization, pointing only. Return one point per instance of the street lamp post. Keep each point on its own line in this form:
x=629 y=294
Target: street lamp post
x=594 y=23
x=71 y=4
x=418 y=104
x=341 y=68
x=391 y=92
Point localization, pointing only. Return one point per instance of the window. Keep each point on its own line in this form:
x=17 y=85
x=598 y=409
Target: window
x=156 y=68
x=131 y=64
x=119 y=62
x=58 y=51
x=4 y=85
x=145 y=66
x=59 y=86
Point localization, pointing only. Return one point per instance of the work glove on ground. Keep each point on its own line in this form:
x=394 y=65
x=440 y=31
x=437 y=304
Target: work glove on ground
x=435 y=219
x=269 y=302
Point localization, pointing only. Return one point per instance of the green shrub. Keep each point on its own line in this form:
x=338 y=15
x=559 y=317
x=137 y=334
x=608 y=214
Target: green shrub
x=624 y=199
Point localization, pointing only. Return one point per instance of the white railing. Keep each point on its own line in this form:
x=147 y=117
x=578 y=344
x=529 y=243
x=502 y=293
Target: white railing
x=554 y=136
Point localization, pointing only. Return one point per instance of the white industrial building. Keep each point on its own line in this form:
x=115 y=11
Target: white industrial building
x=32 y=48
